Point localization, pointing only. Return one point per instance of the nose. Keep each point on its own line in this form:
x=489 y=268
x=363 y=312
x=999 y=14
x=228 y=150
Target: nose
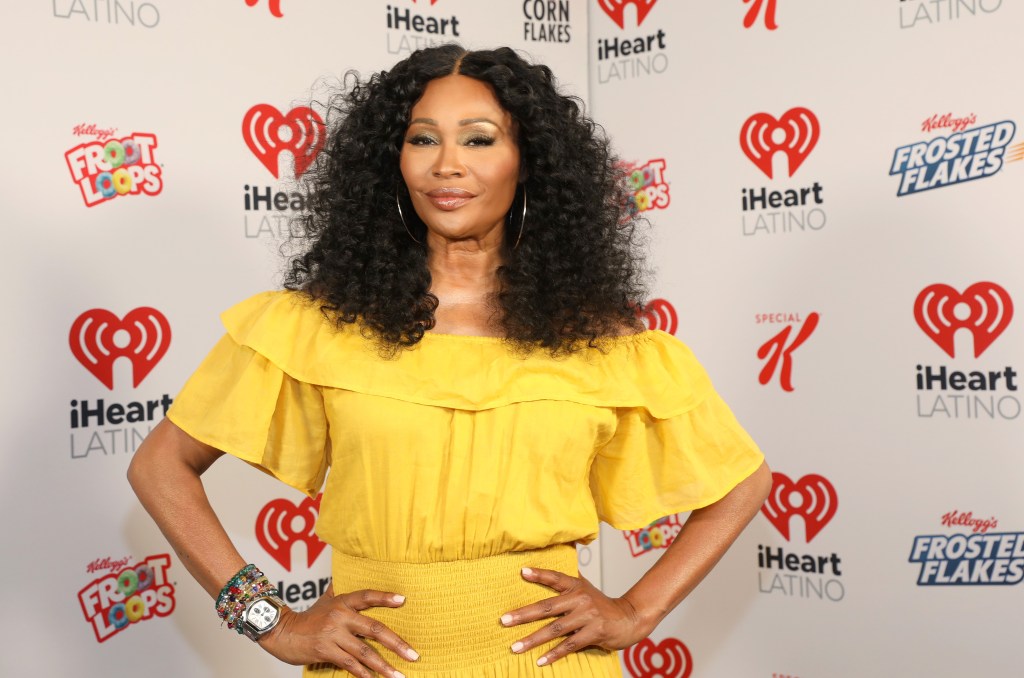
x=448 y=162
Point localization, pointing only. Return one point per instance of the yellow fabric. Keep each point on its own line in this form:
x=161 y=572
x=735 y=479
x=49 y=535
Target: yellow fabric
x=459 y=449
x=486 y=588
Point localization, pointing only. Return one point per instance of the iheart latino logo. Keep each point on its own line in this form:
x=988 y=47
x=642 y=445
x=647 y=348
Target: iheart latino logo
x=795 y=134
x=616 y=9
x=659 y=314
x=145 y=336
x=984 y=309
x=268 y=132
x=275 y=6
x=668 y=659
x=277 y=532
x=813 y=498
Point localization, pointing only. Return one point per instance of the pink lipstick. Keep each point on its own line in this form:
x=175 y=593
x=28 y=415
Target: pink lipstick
x=449 y=198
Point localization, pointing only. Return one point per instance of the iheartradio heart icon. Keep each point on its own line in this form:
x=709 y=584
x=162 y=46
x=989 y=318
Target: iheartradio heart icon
x=812 y=498
x=795 y=134
x=668 y=659
x=658 y=314
x=984 y=309
x=616 y=9
x=145 y=338
x=267 y=132
x=275 y=7
x=276 y=529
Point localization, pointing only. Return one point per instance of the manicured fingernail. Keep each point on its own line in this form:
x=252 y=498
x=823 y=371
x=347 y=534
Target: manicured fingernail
x=517 y=646
x=399 y=674
x=398 y=599
x=542 y=661
x=412 y=654
x=506 y=619
x=527 y=571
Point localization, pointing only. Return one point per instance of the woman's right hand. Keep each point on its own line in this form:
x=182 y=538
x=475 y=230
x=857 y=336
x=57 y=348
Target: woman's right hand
x=332 y=631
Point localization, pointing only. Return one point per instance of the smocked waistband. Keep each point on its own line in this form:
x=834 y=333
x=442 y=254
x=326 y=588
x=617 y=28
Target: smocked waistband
x=452 y=608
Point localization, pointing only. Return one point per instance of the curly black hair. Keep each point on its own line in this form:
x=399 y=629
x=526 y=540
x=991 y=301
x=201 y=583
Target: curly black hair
x=575 y=277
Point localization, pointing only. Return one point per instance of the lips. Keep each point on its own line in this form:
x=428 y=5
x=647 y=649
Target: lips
x=449 y=198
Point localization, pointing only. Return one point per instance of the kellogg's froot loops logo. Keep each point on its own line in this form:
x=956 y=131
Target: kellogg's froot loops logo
x=105 y=170
x=114 y=601
x=658 y=535
x=648 y=186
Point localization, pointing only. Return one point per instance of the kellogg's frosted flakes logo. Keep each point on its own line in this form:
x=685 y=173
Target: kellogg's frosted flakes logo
x=105 y=170
x=973 y=557
x=961 y=156
x=127 y=594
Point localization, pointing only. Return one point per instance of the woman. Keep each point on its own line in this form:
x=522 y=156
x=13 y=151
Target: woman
x=460 y=345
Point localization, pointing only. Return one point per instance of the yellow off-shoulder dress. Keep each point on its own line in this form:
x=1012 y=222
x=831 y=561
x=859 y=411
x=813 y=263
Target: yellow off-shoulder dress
x=458 y=462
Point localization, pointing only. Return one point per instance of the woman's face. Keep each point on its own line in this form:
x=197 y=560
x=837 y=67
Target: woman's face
x=460 y=159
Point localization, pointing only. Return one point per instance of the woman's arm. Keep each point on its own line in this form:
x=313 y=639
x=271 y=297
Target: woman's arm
x=590 y=618
x=165 y=474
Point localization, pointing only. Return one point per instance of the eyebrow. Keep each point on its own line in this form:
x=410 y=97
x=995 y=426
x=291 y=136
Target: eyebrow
x=462 y=123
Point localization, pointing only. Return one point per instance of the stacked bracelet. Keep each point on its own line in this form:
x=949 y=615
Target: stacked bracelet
x=247 y=585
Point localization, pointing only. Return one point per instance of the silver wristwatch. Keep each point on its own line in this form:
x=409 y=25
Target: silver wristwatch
x=261 y=615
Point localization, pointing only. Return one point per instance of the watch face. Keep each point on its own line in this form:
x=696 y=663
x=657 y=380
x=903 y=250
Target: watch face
x=262 y=615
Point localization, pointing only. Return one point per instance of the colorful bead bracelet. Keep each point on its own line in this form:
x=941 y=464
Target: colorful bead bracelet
x=247 y=585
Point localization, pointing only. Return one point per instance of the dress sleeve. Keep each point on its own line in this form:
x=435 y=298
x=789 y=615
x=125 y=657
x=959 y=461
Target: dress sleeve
x=670 y=457
x=240 y=402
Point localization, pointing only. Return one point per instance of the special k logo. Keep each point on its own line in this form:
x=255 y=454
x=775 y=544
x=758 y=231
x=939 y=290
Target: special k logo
x=984 y=309
x=795 y=134
x=668 y=659
x=98 y=338
x=778 y=351
x=281 y=524
x=616 y=9
x=812 y=498
x=659 y=314
x=755 y=10
x=268 y=132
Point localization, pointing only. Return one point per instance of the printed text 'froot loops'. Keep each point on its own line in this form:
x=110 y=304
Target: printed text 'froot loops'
x=104 y=170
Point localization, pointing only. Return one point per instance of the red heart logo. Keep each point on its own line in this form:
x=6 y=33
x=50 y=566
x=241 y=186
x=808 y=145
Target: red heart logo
x=986 y=311
x=276 y=532
x=93 y=344
x=267 y=132
x=659 y=314
x=799 y=131
x=616 y=9
x=812 y=497
x=667 y=659
x=275 y=7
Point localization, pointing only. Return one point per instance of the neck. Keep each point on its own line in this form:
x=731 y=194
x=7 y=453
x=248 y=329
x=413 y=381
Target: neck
x=463 y=268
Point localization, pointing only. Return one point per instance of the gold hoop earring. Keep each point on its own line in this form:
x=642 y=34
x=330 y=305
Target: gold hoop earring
x=398 y=204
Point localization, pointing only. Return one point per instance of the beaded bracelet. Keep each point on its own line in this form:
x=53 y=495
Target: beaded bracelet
x=247 y=585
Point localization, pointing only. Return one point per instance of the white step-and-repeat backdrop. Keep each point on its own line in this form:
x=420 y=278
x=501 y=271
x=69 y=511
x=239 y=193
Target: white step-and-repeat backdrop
x=831 y=191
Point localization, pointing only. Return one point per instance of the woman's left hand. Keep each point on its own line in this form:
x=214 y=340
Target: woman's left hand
x=583 y=614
